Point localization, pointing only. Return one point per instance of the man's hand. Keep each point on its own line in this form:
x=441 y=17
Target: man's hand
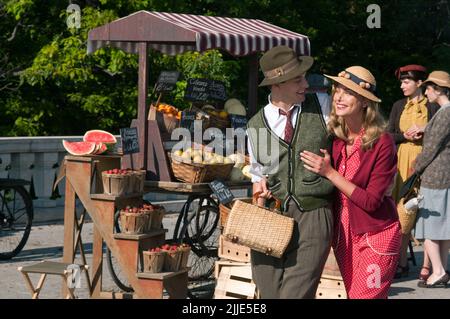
x=265 y=193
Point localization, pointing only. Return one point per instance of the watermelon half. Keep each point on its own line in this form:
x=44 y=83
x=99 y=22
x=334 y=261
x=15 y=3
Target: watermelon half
x=79 y=148
x=98 y=136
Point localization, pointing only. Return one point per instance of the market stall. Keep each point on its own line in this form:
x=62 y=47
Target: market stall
x=171 y=34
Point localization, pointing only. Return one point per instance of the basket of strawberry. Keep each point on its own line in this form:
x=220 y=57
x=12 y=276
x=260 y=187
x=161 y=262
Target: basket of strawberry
x=153 y=260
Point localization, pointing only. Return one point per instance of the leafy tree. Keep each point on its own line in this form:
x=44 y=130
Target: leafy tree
x=50 y=86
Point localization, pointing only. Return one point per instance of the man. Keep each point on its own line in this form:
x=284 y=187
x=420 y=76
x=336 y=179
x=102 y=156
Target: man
x=290 y=123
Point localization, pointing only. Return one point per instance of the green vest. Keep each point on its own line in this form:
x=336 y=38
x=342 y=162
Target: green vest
x=286 y=176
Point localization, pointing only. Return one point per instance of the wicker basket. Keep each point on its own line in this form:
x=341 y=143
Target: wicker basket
x=136 y=181
x=406 y=217
x=165 y=122
x=153 y=261
x=172 y=260
x=218 y=122
x=224 y=210
x=115 y=184
x=199 y=173
x=156 y=217
x=185 y=252
x=259 y=228
x=132 y=223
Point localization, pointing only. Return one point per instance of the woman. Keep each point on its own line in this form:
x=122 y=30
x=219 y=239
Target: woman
x=367 y=238
x=433 y=164
x=406 y=123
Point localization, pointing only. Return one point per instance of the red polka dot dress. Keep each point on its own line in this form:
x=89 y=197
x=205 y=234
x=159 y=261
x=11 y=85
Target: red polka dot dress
x=367 y=261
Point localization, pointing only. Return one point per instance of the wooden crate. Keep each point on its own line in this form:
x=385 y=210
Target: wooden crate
x=331 y=287
x=226 y=263
x=232 y=251
x=235 y=282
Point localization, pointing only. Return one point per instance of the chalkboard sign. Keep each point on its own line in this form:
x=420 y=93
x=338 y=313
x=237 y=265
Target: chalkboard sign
x=197 y=90
x=130 y=141
x=222 y=192
x=167 y=81
x=202 y=90
x=217 y=91
x=188 y=119
x=238 y=121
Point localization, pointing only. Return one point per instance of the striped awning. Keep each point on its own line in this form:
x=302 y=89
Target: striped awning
x=173 y=33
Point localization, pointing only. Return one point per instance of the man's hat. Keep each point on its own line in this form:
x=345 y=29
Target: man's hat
x=440 y=78
x=281 y=64
x=359 y=80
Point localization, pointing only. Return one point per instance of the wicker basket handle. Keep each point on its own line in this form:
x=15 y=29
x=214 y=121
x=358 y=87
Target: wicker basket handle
x=256 y=196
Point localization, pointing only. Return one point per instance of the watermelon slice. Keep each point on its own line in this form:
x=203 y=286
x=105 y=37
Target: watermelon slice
x=99 y=136
x=102 y=148
x=79 y=148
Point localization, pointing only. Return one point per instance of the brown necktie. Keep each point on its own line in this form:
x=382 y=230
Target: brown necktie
x=288 y=129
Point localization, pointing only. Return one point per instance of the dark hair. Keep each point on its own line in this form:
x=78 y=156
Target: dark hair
x=413 y=75
x=438 y=88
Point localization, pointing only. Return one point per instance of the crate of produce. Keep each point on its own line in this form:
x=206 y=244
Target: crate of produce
x=134 y=220
x=116 y=182
x=153 y=260
x=195 y=166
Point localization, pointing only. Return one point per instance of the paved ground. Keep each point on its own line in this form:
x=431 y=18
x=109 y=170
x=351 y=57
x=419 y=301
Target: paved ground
x=46 y=241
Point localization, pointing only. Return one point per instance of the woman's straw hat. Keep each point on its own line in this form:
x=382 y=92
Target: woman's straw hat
x=281 y=64
x=359 y=80
x=440 y=78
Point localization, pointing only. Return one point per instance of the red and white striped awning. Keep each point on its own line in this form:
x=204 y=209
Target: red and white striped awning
x=173 y=33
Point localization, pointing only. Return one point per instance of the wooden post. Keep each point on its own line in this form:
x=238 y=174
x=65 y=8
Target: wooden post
x=252 y=84
x=69 y=227
x=97 y=263
x=142 y=105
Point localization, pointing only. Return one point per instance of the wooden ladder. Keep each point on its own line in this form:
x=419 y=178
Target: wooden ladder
x=83 y=179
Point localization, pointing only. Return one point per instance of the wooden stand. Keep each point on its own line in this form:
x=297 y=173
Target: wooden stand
x=83 y=179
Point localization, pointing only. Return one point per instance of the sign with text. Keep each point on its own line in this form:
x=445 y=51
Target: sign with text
x=238 y=121
x=222 y=192
x=167 y=81
x=130 y=141
x=188 y=119
x=202 y=90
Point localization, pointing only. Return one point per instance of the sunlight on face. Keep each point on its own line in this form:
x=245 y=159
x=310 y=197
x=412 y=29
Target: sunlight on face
x=347 y=103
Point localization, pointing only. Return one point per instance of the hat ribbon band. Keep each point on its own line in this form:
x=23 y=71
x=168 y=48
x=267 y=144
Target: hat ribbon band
x=358 y=81
x=281 y=70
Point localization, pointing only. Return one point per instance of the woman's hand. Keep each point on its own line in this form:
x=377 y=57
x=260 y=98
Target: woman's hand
x=316 y=163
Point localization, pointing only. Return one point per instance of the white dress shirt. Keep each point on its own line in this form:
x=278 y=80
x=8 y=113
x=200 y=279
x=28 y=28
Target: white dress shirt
x=277 y=124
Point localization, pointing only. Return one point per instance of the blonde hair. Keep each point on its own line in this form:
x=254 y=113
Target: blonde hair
x=373 y=123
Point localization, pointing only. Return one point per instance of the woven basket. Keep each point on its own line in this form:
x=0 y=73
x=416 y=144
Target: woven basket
x=153 y=261
x=156 y=217
x=172 y=260
x=218 y=122
x=224 y=210
x=406 y=217
x=115 y=184
x=259 y=228
x=199 y=173
x=185 y=252
x=132 y=223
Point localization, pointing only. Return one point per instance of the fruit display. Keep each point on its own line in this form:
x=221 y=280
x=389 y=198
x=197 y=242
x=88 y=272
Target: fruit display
x=138 y=220
x=234 y=106
x=95 y=142
x=119 y=182
x=199 y=156
x=166 y=258
x=241 y=169
x=169 y=110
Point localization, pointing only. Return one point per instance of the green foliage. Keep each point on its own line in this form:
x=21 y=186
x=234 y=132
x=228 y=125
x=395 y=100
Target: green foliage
x=50 y=86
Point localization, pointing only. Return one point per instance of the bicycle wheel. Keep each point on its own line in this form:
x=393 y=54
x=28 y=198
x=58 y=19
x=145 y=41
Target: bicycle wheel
x=16 y=217
x=202 y=235
x=113 y=265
